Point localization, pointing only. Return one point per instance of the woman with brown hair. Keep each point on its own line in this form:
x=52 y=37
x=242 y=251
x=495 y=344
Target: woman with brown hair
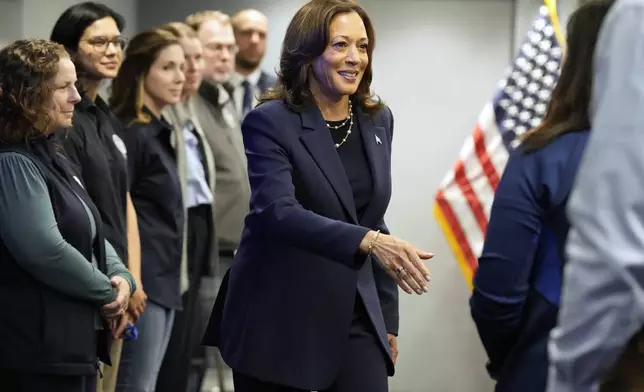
x=312 y=297
x=184 y=366
x=517 y=286
x=150 y=79
x=57 y=272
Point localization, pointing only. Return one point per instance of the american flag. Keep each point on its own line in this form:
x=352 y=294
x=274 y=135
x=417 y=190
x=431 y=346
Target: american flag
x=464 y=199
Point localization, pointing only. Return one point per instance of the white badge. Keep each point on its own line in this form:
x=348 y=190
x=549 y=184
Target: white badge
x=79 y=182
x=118 y=142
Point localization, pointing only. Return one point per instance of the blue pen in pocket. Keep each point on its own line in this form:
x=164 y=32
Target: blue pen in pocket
x=131 y=333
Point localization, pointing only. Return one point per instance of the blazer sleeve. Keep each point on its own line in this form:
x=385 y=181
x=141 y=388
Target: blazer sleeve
x=501 y=282
x=386 y=286
x=274 y=210
x=387 y=291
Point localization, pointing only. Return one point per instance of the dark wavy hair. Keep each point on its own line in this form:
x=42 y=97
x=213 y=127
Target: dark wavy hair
x=127 y=88
x=307 y=36
x=27 y=69
x=568 y=109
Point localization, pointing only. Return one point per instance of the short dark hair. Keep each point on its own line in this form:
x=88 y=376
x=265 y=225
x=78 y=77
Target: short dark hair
x=569 y=106
x=307 y=37
x=27 y=68
x=71 y=24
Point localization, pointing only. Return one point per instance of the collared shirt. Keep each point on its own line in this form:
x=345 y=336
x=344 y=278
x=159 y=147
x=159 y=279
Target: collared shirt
x=223 y=134
x=603 y=295
x=238 y=95
x=198 y=189
x=94 y=146
x=156 y=194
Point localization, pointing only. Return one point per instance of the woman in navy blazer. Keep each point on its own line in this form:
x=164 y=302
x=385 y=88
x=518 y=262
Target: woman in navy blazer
x=518 y=283
x=311 y=300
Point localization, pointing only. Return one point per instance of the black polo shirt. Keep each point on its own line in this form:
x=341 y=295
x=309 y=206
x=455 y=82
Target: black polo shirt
x=156 y=193
x=95 y=148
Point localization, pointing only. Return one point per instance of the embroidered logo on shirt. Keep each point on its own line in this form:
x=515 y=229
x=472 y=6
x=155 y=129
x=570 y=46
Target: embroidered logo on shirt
x=118 y=142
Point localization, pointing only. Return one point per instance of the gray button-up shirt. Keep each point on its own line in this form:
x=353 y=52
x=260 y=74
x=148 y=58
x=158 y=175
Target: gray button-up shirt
x=603 y=295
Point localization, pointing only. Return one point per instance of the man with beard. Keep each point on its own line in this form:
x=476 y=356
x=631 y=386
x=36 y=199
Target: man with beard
x=250 y=81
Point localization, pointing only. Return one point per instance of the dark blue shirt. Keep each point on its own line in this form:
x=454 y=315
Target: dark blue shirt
x=518 y=282
x=156 y=193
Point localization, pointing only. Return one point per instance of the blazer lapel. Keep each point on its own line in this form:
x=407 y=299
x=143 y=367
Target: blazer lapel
x=374 y=139
x=319 y=143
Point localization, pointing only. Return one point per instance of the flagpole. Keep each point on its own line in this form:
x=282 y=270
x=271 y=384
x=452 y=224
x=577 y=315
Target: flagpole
x=513 y=30
x=554 y=16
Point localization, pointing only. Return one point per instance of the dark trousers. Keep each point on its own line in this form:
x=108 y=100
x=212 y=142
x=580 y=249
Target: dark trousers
x=184 y=367
x=364 y=368
x=11 y=380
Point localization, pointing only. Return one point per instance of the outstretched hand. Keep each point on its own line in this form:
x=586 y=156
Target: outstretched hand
x=401 y=260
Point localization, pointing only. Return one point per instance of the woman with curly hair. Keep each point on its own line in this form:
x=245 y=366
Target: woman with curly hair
x=62 y=286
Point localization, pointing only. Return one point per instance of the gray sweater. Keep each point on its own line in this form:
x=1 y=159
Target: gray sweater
x=29 y=230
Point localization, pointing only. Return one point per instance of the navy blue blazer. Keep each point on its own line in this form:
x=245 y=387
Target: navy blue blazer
x=284 y=313
x=518 y=282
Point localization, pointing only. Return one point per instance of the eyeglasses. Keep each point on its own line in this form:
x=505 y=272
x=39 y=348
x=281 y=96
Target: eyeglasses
x=100 y=44
x=218 y=48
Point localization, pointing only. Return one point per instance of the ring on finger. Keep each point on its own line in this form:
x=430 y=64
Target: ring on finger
x=400 y=271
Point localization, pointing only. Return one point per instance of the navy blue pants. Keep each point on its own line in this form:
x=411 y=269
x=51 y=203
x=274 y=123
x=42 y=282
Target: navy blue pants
x=364 y=368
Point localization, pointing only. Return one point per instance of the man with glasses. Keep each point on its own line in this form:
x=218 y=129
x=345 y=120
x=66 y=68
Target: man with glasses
x=219 y=46
x=218 y=117
x=215 y=109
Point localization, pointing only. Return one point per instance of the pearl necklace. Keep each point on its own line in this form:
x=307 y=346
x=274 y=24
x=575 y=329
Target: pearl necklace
x=335 y=127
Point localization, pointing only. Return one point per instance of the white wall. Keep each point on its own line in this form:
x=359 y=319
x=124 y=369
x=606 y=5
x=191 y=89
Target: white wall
x=10 y=21
x=436 y=64
x=36 y=18
x=436 y=73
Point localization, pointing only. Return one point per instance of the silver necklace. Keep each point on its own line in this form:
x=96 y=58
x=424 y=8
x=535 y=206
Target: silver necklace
x=335 y=127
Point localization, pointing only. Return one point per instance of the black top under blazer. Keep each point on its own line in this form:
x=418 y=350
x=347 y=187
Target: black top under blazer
x=284 y=311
